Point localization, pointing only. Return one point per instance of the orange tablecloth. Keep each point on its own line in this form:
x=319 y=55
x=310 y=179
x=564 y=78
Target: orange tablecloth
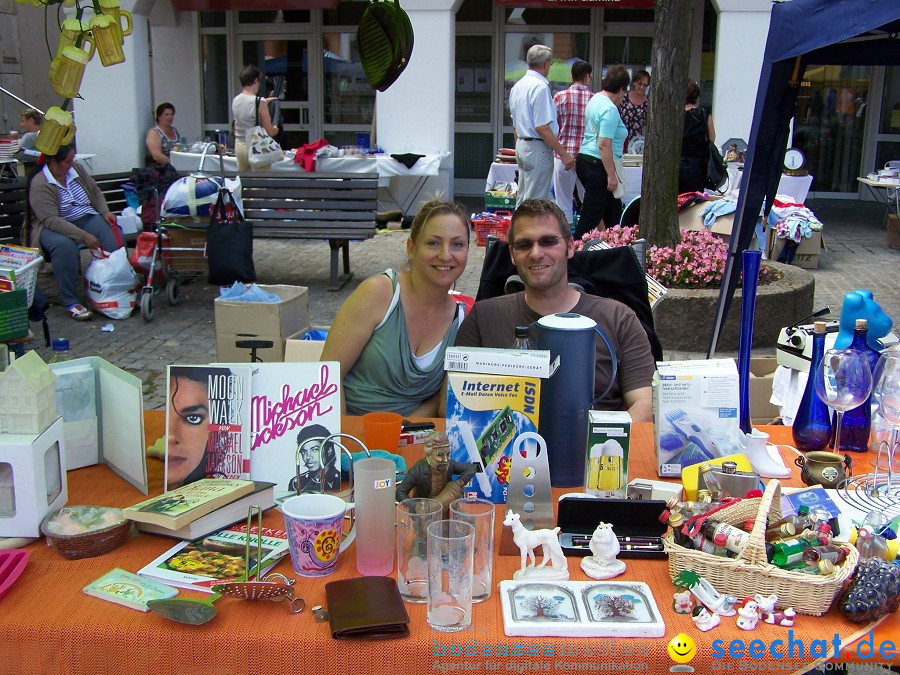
x=48 y=626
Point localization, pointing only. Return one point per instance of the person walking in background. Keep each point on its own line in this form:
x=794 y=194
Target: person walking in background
x=634 y=107
x=602 y=146
x=249 y=110
x=534 y=123
x=697 y=133
x=570 y=104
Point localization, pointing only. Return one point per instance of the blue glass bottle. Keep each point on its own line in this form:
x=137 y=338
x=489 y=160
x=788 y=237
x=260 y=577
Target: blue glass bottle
x=812 y=424
x=857 y=423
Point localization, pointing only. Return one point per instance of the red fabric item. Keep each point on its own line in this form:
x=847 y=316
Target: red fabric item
x=686 y=199
x=306 y=154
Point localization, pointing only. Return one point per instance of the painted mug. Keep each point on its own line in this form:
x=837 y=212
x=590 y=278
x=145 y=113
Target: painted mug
x=823 y=468
x=315 y=526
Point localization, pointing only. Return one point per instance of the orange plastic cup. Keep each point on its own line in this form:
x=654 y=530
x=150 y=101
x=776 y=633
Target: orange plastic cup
x=382 y=430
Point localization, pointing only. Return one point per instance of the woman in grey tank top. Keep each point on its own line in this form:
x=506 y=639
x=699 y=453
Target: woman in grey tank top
x=391 y=333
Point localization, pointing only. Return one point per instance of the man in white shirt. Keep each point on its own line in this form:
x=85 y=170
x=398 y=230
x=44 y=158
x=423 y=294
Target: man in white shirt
x=534 y=122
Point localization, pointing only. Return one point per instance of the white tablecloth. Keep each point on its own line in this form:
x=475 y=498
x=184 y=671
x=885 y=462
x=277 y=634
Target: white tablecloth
x=190 y=161
x=506 y=172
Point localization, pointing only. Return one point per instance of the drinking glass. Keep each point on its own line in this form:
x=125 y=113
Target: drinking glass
x=450 y=546
x=413 y=518
x=886 y=393
x=843 y=381
x=480 y=513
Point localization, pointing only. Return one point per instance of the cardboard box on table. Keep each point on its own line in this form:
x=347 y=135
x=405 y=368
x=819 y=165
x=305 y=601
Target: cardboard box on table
x=32 y=479
x=485 y=414
x=296 y=348
x=806 y=255
x=274 y=321
x=762 y=374
x=695 y=412
x=102 y=407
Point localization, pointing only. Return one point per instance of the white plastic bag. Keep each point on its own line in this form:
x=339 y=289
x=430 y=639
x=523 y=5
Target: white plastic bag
x=262 y=149
x=111 y=284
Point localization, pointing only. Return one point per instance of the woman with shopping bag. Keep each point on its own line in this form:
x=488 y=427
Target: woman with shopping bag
x=250 y=111
x=65 y=209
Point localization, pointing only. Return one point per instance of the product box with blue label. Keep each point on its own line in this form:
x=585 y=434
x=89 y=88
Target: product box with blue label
x=485 y=414
x=695 y=412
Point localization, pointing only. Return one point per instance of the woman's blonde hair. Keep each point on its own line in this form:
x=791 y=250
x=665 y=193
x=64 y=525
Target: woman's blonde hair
x=436 y=207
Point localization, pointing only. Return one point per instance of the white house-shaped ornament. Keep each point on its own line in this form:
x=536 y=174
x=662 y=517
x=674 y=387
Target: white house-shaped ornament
x=27 y=396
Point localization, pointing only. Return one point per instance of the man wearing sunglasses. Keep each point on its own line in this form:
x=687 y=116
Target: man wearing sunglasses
x=541 y=244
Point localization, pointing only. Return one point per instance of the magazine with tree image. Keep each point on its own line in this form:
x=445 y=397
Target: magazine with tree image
x=217 y=558
x=207 y=423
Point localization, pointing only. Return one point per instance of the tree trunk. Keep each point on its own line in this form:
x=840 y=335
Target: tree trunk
x=662 y=146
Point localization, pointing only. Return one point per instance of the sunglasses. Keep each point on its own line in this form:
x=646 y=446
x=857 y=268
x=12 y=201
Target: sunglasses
x=523 y=245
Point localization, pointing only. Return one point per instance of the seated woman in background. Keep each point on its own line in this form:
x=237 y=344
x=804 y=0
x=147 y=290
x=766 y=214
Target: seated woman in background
x=391 y=333
x=65 y=208
x=698 y=132
x=162 y=137
x=634 y=107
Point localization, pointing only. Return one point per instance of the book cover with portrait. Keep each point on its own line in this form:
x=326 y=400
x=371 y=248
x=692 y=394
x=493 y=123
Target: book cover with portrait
x=207 y=423
x=292 y=407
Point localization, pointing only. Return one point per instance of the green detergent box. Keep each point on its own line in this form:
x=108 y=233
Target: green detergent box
x=485 y=415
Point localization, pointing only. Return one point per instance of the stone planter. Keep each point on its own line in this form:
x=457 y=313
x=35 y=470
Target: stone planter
x=684 y=318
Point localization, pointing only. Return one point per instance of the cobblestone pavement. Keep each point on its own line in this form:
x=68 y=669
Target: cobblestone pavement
x=857 y=257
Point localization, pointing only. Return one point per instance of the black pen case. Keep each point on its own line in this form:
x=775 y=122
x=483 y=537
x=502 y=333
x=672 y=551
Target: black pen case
x=578 y=517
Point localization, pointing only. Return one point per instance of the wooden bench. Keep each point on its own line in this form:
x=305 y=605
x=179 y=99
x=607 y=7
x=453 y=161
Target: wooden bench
x=12 y=202
x=339 y=207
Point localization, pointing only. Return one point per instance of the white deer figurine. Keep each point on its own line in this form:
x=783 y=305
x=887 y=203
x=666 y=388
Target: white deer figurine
x=528 y=541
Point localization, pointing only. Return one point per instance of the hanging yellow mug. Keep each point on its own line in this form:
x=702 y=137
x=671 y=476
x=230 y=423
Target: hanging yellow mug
x=69 y=32
x=111 y=8
x=109 y=46
x=56 y=130
x=68 y=71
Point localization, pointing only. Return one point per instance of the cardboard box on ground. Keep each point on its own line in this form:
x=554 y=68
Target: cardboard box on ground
x=762 y=373
x=807 y=254
x=275 y=321
x=892 y=223
x=298 y=349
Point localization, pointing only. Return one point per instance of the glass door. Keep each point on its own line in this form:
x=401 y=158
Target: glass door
x=285 y=67
x=830 y=124
x=887 y=148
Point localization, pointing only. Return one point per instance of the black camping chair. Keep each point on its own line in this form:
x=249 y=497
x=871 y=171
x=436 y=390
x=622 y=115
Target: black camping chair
x=609 y=273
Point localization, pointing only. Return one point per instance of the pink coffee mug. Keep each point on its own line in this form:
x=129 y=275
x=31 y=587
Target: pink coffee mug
x=315 y=527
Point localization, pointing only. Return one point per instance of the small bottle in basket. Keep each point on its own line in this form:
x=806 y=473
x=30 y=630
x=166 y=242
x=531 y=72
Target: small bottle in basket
x=836 y=554
x=676 y=522
x=790 y=551
x=732 y=538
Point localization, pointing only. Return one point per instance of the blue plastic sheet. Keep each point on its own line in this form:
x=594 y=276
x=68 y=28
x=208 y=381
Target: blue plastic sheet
x=239 y=292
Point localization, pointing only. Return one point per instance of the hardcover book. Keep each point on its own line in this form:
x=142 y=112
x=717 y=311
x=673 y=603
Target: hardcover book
x=207 y=418
x=263 y=496
x=290 y=404
x=217 y=559
x=130 y=590
x=177 y=508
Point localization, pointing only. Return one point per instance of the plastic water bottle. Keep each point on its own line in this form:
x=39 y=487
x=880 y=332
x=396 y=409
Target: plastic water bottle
x=60 y=350
x=812 y=424
x=523 y=338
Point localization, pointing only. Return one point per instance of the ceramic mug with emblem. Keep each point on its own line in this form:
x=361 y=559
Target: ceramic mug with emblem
x=823 y=468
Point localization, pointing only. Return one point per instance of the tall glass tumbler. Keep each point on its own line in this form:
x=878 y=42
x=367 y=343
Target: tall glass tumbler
x=451 y=548
x=413 y=518
x=374 y=485
x=480 y=514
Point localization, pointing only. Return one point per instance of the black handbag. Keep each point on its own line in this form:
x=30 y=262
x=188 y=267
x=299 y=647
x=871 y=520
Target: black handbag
x=716 y=169
x=229 y=243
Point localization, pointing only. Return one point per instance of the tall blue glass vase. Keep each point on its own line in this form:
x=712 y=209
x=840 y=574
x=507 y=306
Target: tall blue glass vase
x=750 y=277
x=812 y=423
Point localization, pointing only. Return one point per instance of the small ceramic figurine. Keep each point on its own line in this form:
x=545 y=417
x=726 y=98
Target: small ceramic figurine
x=748 y=615
x=605 y=547
x=705 y=593
x=432 y=477
x=704 y=619
x=769 y=614
x=682 y=602
x=527 y=541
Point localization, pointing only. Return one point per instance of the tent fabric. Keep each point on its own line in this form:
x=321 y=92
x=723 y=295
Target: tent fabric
x=801 y=33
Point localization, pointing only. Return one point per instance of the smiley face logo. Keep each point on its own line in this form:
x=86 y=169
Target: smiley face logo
x=682 y=648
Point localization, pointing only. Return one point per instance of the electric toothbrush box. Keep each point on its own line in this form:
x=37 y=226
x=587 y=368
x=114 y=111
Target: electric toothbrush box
x=606 y=459
x=485 y=415
x=695 y=413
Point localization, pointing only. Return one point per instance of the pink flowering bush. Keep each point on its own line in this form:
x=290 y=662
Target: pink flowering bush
x=697 y=262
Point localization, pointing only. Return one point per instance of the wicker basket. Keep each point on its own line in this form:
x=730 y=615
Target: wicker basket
x=750 y=573
x=89 y=544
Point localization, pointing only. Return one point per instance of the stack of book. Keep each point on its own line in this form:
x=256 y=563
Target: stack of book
x=8 y=147
x=201 y=507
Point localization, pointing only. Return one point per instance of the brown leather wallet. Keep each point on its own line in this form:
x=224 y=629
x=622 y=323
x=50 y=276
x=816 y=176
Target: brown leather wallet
x=366 y=608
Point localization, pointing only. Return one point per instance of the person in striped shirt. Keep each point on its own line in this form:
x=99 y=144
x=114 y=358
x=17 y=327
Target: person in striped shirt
x=570 y=104
x=65 y=210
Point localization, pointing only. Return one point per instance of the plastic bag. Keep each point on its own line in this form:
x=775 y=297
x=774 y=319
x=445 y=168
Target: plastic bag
x=142 y=256
x=196 y=195
x=111 y=284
